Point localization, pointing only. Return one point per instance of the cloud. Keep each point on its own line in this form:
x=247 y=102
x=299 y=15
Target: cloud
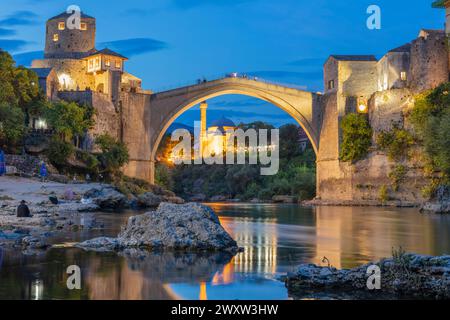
x=12 y=45
x=20 y=18
x=25 y=58
x=189 y=4
x=132 y=47
x=7 y=32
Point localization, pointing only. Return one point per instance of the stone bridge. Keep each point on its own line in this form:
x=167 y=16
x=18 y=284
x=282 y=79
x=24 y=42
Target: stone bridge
x=167 y=106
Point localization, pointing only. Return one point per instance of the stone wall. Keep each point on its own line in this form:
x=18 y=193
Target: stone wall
x=429 y=61
x=135 y=129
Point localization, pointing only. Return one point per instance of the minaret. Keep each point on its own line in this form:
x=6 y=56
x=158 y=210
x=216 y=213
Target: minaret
x=203 y=107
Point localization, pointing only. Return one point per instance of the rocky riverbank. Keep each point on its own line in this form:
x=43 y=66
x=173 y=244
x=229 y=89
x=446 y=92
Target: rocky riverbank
x=402 y=276
x=56 y=207
x=188 y=227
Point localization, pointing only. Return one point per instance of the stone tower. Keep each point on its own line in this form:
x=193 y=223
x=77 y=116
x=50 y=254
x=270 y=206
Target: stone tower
x=203 y=107
x=445 y=4
x=61 y=42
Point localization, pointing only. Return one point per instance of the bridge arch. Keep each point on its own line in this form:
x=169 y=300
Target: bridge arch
x=165 y=107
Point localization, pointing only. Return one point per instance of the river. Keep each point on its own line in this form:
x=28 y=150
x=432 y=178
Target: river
x=276 y=238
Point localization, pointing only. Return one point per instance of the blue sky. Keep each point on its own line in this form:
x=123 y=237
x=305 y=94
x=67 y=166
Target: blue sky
x=174 y=42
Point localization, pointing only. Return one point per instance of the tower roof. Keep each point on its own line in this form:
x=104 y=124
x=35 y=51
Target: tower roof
x=67 y=15
x=108 y=52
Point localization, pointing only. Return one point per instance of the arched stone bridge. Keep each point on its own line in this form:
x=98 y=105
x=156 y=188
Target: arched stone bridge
x=167 y=106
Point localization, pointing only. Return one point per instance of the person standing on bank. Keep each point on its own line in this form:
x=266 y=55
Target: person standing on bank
x=23 y=211
x=43 y=171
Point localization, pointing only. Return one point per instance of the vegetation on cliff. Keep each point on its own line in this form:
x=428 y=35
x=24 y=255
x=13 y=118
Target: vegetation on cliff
x=356 y=137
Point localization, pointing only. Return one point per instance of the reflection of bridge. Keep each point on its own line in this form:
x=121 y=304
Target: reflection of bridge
x=168 y=105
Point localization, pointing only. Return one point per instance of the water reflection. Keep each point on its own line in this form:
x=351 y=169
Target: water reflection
x=276 y=238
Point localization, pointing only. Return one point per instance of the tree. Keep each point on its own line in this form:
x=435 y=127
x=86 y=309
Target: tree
x=12 y=126
x=68 y=119
x=7 y=93
x=357 y=137
x=114 y=154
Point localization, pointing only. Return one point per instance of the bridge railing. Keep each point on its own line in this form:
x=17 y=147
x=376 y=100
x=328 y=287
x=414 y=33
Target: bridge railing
x=228 y=75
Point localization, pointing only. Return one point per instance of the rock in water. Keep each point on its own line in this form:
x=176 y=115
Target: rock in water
x=190 y=227
x=106 y=198
x=148 y=200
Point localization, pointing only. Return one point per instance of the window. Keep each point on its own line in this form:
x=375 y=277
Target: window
x=107 y=62
x=330 y=84
x=118 y=64
x=61 y=26
x=97 y=62
x=83 y=26
x=91 y=64
x=56 y=37
x=403 y=75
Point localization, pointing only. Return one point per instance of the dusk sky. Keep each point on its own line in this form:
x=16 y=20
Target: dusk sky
x=174 y=42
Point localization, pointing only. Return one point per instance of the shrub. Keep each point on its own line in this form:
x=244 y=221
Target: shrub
x=431 y=120
x=12 y=126
x=396 y=143
x=89 y=159
x=114 y=154
x=383 y=194
x=357 y=135
x=397 y=175
x=59 y=151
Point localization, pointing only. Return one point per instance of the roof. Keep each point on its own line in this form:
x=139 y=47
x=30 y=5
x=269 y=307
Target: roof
x=354 y=57
x=441 y=3
x=223 y=122
x=42 y=72
x=66 y=15
x=107 y=52
x=403 y=48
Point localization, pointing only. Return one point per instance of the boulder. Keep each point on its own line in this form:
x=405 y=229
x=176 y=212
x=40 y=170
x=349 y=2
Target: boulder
x=191 y=227
x=148 y=200
x=441 y=204
x=106 y=198
x=283 y=199
x=101 y=244
x=176 y=200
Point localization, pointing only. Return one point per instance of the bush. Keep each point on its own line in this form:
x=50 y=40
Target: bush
x=396 y=143
x=114 y=154
x=89 y=159
x=383 y=194
x=12 y=126
x=357 y=137
x=431 y=120
x=59 y=151
x=397 y=175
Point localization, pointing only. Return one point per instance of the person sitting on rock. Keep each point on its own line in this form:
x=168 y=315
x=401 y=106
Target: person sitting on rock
x=23 y=211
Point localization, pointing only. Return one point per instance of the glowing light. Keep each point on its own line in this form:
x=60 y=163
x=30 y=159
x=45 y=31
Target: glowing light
x=65 y=81
x=362 y=108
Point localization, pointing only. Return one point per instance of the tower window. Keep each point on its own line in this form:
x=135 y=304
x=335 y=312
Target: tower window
x=330 y=84
x=118 y=64
x=83 y=26
x=61 y=25
x=108 y=62
x=403 y=75
x=56 y=37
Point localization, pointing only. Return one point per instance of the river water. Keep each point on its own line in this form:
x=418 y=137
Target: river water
x=276 y=238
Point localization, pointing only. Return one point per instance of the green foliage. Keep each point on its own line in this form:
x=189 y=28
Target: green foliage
x=431 y=120
x=357 y=136
x=396 y=143
x=59 y=151
x=68 y=119
x=7 y=92
x=12 y=126
x=397 y=175
x=89 y=159
x=114 y=154
x=163 y=176
x=383 y=194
